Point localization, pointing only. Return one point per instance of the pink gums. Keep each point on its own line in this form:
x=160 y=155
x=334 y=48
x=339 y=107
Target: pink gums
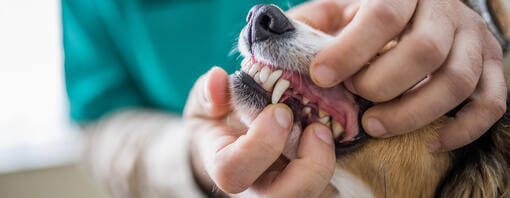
x=337 y=101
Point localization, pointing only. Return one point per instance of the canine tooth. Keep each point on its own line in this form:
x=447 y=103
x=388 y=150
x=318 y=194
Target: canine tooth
x=322 y=113
x=254 y=69
x=264 y=74
x=324 y=120
x=337 y=129
x=306 y=101
x=307 y=110
x=271 y=80
x=281 y=86
x=257 y=77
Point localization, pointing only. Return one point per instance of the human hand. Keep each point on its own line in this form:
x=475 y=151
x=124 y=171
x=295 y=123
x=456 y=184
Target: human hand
x=444 y=56
x=248 y=161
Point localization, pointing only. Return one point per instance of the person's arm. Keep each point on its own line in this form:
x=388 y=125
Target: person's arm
x=140 y=153
x=133 y=153
x=96 y=77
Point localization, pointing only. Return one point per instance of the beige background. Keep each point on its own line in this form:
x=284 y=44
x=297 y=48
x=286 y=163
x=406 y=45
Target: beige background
x=65 y=181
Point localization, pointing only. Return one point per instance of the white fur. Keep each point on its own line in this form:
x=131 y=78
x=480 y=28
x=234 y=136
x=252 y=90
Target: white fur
x=349 y=186
x=295 y=54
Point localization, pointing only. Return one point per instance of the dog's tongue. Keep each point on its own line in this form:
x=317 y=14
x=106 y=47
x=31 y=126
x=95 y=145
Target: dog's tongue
x=337 y=101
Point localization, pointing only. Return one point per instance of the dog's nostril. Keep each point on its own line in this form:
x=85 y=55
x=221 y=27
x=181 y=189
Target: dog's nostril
x=268 y=21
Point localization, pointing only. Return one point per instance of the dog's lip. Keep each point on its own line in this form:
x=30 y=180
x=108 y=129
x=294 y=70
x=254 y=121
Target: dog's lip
x=341 y=105
x=341 y=147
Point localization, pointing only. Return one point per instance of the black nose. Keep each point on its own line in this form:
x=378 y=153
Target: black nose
x=267 y=21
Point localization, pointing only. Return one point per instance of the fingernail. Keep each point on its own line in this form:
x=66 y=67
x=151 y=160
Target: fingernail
x=375 y=128
x=324 y=75
x=434 y=146
x=283 y=117
x=323 y=134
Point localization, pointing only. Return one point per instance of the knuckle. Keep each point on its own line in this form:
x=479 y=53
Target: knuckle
x=479 y=23
x=327 y=5
x=374 y=90
x=474 y=58
x=494 y=50
x=329 y=8
x=227 y=180
x=269 y=149
x=462 y=84
x=497 y=105
x=387 y=12
x=428 y=45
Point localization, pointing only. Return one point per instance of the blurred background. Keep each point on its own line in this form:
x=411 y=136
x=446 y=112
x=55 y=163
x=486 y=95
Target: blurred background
x=38 y=144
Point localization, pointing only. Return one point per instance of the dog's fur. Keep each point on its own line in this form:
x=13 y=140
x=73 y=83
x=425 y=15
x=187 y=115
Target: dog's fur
x=400 y=166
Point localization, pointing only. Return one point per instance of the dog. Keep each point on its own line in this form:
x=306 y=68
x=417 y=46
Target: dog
x=278 y=51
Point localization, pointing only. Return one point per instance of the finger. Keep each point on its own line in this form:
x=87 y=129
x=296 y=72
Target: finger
x=376 y=23
x=419 y=52
x=443 y=91
x=236 y=166
x=487 y=105
x=209 y=96
x=310 y=173
x=326 y=15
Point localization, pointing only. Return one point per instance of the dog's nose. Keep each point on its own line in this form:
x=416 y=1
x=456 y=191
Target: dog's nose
x=267 y=21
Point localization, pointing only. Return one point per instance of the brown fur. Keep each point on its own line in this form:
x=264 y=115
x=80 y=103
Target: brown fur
x=401 y=166
x=501 y=16
x=489 y=174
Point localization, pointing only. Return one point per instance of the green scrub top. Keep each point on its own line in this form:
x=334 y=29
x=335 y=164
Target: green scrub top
x=146 y=53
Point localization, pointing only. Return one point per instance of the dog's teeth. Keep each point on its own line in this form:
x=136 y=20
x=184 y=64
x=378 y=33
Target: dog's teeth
x=336 y=129
x=306 y=101
x=307 y=110
x=257 y=77
x=281 y=86
x=246 y=65
x=325 y=120
x=264 y=74
x=254 y=69
x=322 y=113
x=271 y=80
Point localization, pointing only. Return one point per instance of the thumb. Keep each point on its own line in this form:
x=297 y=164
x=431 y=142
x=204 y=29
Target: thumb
x=310 y=173
x=326 y=15
x=209 y=96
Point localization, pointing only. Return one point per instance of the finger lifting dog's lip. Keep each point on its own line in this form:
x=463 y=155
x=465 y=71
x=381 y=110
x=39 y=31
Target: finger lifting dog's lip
x=275 y=70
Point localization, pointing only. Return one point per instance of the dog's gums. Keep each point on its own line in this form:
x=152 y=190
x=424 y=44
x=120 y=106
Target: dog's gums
x=334 y=107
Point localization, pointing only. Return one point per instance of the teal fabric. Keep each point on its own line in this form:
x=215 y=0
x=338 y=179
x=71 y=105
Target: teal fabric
x=125 y=53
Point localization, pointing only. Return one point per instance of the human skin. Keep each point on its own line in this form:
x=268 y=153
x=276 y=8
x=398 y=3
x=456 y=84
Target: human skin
x=462 y=61
x=445 y=55
x=226 y=154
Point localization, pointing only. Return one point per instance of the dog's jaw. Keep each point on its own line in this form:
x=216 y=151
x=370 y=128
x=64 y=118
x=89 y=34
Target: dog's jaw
x=291 y=54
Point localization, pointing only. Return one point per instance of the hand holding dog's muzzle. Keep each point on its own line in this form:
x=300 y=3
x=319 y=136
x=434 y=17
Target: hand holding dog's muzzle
x=238 y=160
x=444 y=56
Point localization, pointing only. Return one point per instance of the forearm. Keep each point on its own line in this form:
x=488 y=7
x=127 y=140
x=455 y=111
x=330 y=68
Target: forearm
x=140 y=154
